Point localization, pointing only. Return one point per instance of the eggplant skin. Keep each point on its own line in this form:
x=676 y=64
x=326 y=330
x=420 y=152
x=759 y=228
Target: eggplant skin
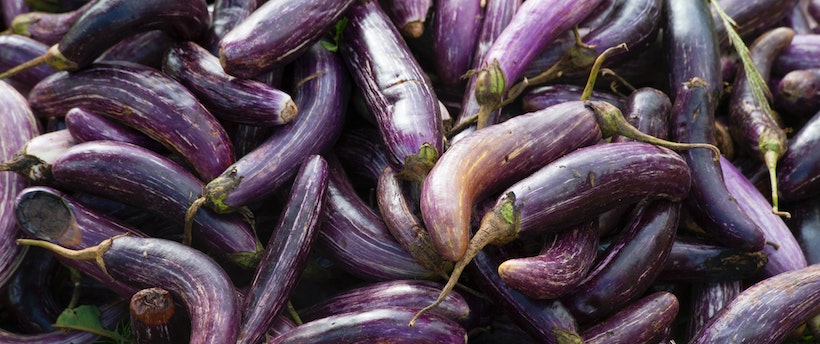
x=644 y=321
x=387 y=324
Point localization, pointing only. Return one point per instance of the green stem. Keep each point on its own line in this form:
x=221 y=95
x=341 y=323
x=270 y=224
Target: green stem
x=37 y=61
x=770 y=158
x=593 y=73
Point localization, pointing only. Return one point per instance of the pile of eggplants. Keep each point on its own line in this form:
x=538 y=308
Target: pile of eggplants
x=410 y=171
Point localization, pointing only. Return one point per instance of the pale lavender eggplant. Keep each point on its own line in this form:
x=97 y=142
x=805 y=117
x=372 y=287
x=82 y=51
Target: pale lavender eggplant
x=747 y=15
x=396 y=293
x=559 y=267
x=146 y=48
x=47 y=27
x=782 y=248
x=34 y=159
x=84 y=125
x=17 y=127
x=409 y=16
x=287 y=251
x=456 y=26
x=545 y=96
x=387 y=324
x=796 y=95
x=708 y=298
x=497 y=14
x=698 y=261
x=797 y=175
x=766 y=312
x=229 y=98
x=147 y=100
x=276 y=33
x=644 y=321
x=395 y=89
x=110 y=314
x=16 y=49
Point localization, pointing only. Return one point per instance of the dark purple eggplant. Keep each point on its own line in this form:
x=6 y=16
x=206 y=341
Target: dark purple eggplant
x=629 y=265
x=798 y=176
x=33 y=160
x=83 y=125
x=276 y=33
x=155 y=319
x=409 y=16
x=648 y=110
x=689 y=32
x=747 y=16
x=146 y=48
x=766 y=312
x=153 y=182
x=19 y=126
x=28 y=295
x=16 y=49
x=361 y=152
x=396 y=293
x=321 y=94
x=229 y=98
x=286 y=253
x=456 y=26
x=47 y=27
x=561 y=264
x=783 y=251
x=109 y=21
x=804 y=224
x=644 y=321
x=111 y=314
x=388 y=324
x=545 y=96
x=708 y=298
x=754 y=125
x=799 y=55
x=395 y=89
x=191 y=276
x=796 y=95
x=697 y=261
x=225 y=16
x=147 y=100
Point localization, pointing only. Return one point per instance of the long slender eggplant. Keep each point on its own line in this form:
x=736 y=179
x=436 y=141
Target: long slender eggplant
x=456 y=26
x=47 y=27
x=395 y=89
x=644 y=321
x=286 y=253
x=767 y=311
x=629 y=266
x=155 y=319
x=796 y=95
x=697 y=261
x=17 y=127
x=783 y=251
x=708 y=299
x=558 y=268
x=408 y=16
x=747 y=15
x=798 y=176
x=754 y=124
x=140 y=177
x=190 y=275
x=33 y=160
x=321 y=95
x=229 y=98
x=111 y=313
x=388 y=324
x=147 y=100
x=83 y=125
x=16 y=49
x=109 y=21
x=276 y=33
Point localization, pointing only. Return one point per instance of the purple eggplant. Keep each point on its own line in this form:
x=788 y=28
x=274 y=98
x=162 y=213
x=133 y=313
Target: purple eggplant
x=16 y=49
x=109 y=21
x=225 y=16
x=708 y=298
x=409 y=16
x=146 y=48
x=12 y=8
x=28 y=295
x=799 y=55
x=562 y=263
x=287 y=251
x=33 y=160
x=19 y=126
x=361 y=152
x=147 y=100
x=111 y=313
x=545 y=96
x=321 y=96
x=691 y=260
x=276 y=33
x=798 y=176
x=155 y=319
x=797 y=95
x=804 y=226
x=229 y=98
x=83 y=125
x=192 y=277
x=395 y=89
x=153 y=182
x=766 y=312
x=747 y=16
x=644 y=321
x=456 y=25
x=47 y=27
x=689 y=31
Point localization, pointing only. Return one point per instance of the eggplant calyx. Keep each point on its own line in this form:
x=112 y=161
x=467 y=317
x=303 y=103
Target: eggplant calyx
x=416 y=166
x=289 y=112
x=248 y=260
x=565 y=336
x=218 y=189
x=21 y=23
x=29 y=166
x=58 y=61
x=490 y=86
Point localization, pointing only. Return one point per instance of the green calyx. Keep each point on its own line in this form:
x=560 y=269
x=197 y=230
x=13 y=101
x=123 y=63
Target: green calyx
x=490 y=85
x=58 y=61
x=248 y=260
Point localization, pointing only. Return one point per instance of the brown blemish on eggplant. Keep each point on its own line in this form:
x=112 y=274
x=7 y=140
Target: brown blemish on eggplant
x=49 y=217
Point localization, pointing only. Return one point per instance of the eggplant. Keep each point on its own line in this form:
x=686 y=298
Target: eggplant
x=47 y=27
x=643 y=321
x=28 y=296
x=276 y=33
x=558 y=268
x=225 y=16
x=804 y=226
x=227 y=97
x=798 y=55
x=146 y=48
x=456 y=26
x=18 y=126
x=766 y=312
x=361 y=152
x=111 y=313
x=796 y=95
x=746 y=15
x=109 y=21
x=545 y=96
x=708 y=299
x=630 y=264
x=191 y=276
x=34 y=159
x=155 y=319
x=321 y=95
x=395 y=89
x=83 y=125
x=798 y=177
x=153 y=182
x=692 y=260
x=409 y=16
x=286 y=253
x=387 y=324
x=147 y=100
x=16 y=49
x=11 y=8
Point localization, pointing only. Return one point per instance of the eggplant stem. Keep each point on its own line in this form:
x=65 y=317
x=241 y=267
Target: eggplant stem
x=607 y=71
x=770 y=158
x=461 y=126
x=35 y=62
x=190 y=213
x=6 y=32
x=593 y=73
x=293 y=314
x=89 y=253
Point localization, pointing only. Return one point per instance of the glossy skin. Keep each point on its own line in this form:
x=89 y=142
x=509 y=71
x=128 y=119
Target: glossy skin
x=804 y=222
x=226 y=15
x=545 y=96
x=47 y=27
x=147 y=100
x=747 y=16
x=796 y=95
x=408 y=15
x=708 y=299
x=696 y=261
x=648 y=320
x=799 y=55
x=798 y=176
x=87 y=126
x=146 y=48
x=456 y=26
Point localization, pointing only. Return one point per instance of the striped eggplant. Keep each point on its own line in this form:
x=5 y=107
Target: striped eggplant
x=33 y=160
x=148 y=180
x=191 y=276
x=147 y=100
x=747 y=16
x=361 y=152
x=395 y=89
x=229 y=98
x=806 y=218
x=408 y=16
x=83 y=125
x=47 y=27
x=16 y=49
x=708 y=298
x=11 y=8
x=276 y=33
x=798 y=176
x=286 y=253
x=796 y=95
x=644 y=321
x=545 y=96
x=109 y=21
x=225 y=16
x=798 y=55
x=456 y=26
x=155 y=319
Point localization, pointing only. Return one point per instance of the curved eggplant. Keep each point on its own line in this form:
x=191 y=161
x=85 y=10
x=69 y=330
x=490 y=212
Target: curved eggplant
x=361 y=152
x=708 y=299
x=47 y=27
x=28 y=296
x=147 y=100
x=747 y=15
x=83 y=125
x=229 y=98
x=33 y=161
x=146 y=48
x=798 y=176
x=799 y=55
x=190 y=275
x=225 y=16
x=641 y=322
x=804 y=226
x=286 y=253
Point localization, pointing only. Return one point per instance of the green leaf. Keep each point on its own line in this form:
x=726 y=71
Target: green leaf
x=84 y=318
x=336 y=35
